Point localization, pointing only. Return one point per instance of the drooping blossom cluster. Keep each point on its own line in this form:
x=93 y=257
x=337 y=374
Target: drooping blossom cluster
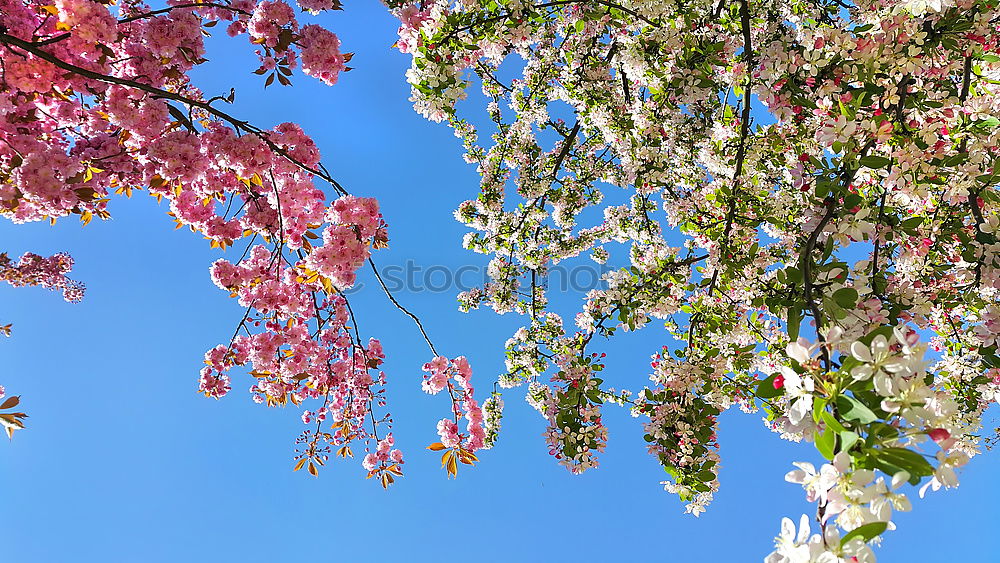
x=886 y=418
x=48 y=272
x=308 y=349
x=355 y=225
x=575 y=433
x=455 y=376
x=385 y=460
x=682 y=429
x=492 y=416
x=864 y=202
x=321 y=56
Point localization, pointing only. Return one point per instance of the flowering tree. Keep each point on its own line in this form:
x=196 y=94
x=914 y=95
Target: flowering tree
x=797 y=263
x=97 y=102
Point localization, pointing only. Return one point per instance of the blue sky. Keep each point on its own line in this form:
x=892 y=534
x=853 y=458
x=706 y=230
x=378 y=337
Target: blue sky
x=124 y=462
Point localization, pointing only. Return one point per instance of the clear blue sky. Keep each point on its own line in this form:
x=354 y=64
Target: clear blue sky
x=124 y=462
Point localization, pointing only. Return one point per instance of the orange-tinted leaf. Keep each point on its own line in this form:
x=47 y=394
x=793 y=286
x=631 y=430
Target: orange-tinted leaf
x=436 y=447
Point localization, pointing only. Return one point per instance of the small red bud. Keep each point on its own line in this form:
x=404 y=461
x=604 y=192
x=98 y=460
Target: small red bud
x=939 y=434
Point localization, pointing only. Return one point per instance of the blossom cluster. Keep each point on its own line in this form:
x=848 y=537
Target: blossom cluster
x=682 y=429
x=455 y=376
x=48 y=272
x=571 y=405
x=890 y=412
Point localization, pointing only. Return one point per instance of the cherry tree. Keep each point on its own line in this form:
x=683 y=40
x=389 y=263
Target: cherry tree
x=97 y=103
x=809 y=206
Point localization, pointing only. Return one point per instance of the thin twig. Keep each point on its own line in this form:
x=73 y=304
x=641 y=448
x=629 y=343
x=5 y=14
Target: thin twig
x=388 y=294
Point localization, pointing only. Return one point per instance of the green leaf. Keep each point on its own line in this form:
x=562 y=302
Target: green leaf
x=819 y=405
x=911 y=223
x=865 y=532
x=988 y=179
x=794 y=320
x=823 y=184
x=705 y=476
x=825 y=443
x=852 y=409
x=907 y=460
x=990 y=123
x=871 y=399
x=880 y=432
x=848 y=439
x=832 y=423
x=875 y=161
x=846 y=297
x=847 y=111
x=955 y=159
x=766 y=390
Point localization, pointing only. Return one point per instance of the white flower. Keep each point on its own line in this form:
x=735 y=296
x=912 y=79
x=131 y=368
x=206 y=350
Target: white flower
x=876 y=356
x=945 y=475
x=839 y=131
x=800 y=547
x=791 y=547
x=800 y=351
x=799 y=389
x=886 y=500
x=920 y=7
x=816 y=484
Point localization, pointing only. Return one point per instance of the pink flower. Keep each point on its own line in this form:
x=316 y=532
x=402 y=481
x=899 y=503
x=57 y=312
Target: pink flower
x=321 y=55
x=215 y=386
x=448 y=431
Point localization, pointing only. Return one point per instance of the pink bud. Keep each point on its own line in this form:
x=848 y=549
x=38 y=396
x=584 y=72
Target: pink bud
x=939 y=434
x=778 y=382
